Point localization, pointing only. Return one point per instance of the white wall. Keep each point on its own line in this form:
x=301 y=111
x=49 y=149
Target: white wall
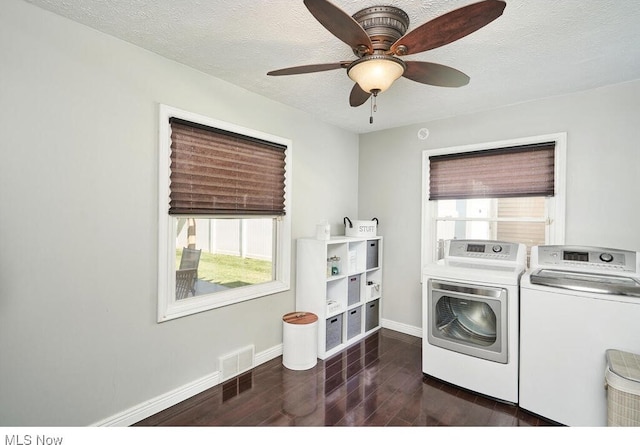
x=603 y=174
x=79 y=340
x=78 y=210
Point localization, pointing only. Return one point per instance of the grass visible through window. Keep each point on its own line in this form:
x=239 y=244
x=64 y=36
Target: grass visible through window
x=230 y=270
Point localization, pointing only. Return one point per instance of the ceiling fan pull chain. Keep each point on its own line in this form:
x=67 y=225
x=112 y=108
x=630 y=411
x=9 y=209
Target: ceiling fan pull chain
x=374 y=105
x=371 y=112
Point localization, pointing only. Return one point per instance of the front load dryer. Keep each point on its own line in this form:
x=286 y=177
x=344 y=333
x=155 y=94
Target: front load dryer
x=470 y=316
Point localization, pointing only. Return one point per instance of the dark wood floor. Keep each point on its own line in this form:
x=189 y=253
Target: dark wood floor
x=376 y=382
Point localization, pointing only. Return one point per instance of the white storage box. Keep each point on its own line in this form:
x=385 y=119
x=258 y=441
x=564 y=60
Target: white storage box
x=372 y=291
x=622 y=379
x=361 y=229
x=333 y=307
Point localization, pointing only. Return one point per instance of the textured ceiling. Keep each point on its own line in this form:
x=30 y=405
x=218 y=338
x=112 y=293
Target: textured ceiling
x=537 y=48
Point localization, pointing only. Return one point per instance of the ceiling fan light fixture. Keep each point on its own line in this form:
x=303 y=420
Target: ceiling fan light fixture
x=376 y=72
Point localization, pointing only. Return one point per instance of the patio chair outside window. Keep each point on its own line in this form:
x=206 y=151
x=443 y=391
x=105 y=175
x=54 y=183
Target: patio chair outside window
x=185 y=283
x=190 y=259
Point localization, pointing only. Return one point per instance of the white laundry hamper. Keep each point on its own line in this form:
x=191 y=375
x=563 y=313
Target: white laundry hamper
x=299 y=340
x=622 y=380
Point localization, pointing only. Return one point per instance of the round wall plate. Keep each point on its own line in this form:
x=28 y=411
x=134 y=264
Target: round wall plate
x=423 y=133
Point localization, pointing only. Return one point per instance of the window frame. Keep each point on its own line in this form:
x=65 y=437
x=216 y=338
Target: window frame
x=168 y=307
x=555 y=205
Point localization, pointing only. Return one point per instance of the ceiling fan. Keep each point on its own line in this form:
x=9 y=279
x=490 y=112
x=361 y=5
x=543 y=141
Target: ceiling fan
x=377 y=36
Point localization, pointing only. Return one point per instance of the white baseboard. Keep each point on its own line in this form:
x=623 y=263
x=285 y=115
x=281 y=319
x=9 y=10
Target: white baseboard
x=143 y=410
x=269 y=354
x=400 y=327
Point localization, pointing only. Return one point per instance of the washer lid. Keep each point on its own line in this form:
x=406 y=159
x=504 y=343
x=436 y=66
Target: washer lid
x=586 y=282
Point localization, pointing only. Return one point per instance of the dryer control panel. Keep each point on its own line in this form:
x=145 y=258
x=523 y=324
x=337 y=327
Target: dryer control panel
x=483 y=250
x=580 y=258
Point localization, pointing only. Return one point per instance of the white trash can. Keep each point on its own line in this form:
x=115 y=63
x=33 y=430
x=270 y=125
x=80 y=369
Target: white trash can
x=622 y=380
x=300 y=340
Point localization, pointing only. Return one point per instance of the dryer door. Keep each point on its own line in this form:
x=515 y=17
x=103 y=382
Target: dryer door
x=468 y=319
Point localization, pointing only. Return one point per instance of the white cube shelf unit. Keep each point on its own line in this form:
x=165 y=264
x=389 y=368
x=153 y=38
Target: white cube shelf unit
x=340 y=280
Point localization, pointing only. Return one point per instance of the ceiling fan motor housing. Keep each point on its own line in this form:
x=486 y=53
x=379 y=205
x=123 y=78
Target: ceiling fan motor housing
x=383 y=24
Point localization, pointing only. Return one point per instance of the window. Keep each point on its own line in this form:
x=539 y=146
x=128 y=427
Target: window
x=509 y=191
x=223 y=214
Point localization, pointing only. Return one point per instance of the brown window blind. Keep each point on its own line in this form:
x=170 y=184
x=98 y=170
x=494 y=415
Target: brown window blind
x=526 y=170
x=216 y=172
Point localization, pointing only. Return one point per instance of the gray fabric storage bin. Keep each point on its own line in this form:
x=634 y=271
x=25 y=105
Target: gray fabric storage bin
x=354 y=322
x=353 y=290
x=372 y=254
x=372 y=315
x=334 y=331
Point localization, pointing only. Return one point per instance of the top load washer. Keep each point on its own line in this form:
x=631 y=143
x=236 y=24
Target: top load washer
x=575 y=303
x=470 y=316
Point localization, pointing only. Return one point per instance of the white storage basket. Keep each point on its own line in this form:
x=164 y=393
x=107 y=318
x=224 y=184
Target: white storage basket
x=360 y=229
x=622 y=379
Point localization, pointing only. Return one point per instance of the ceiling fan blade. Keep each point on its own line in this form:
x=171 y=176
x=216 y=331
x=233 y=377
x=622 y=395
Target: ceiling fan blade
x=449 y=27
x=340 y=24
x=435 y=74
x=304 y=69
x=358 y=96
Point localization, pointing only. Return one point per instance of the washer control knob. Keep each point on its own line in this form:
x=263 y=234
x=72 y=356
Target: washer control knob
x=606 y=257
x=497 y=249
